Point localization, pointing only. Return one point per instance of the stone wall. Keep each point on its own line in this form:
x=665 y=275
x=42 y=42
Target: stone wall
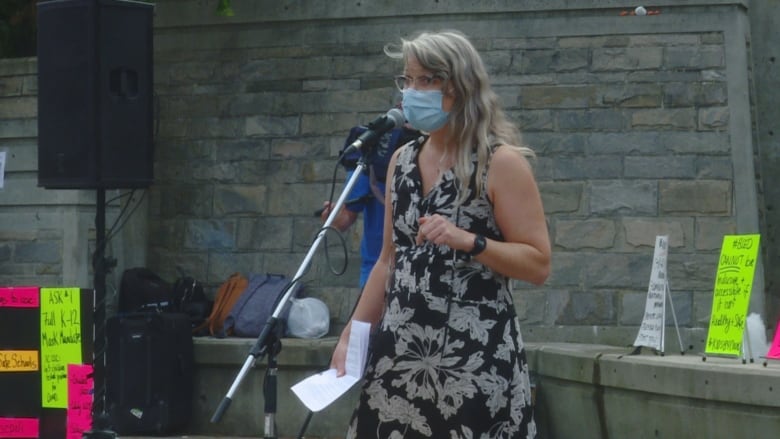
x=642 y=126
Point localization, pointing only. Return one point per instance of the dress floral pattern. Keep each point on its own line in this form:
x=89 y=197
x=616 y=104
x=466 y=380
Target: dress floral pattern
x=447 y=360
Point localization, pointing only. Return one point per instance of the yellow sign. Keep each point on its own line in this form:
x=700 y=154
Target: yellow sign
x=18 y=361
x=731 y=296
x=60 y=342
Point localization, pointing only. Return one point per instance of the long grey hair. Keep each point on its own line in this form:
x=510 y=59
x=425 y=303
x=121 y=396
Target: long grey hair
x=476 y=120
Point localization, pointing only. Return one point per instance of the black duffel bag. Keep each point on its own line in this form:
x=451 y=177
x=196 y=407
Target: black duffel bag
x=141 y=289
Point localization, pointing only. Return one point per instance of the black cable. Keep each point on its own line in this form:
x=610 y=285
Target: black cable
x=111 y=231
x=342 y=270
x=116 y=227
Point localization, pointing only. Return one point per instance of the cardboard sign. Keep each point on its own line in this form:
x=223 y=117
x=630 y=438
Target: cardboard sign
x=731 y=296
x=80 y=393
x=651 y=331
x=19 y=297
x=774 y=349
x=19 y=428
x=60 y=342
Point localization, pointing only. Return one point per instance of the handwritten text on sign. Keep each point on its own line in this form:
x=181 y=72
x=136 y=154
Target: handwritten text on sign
x=60 y=342
x=651 y=332
x=731 y=295
x=19 y=428
x=19 y=297
x=18 y=361
x=80 y=389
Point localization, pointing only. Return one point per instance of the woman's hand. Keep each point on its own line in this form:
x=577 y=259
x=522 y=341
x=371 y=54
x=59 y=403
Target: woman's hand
x=440 y=231
x=339 y=359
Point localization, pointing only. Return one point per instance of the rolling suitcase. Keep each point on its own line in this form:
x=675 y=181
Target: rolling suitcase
x=149 y=372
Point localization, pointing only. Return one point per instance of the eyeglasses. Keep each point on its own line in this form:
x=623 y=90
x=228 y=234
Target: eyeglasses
x=426 y=81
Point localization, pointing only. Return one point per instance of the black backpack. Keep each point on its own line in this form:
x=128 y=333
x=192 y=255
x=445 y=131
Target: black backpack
x=141 y=289
x=188 y=297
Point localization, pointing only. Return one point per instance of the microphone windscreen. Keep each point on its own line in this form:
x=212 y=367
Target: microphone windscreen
x=397 y=116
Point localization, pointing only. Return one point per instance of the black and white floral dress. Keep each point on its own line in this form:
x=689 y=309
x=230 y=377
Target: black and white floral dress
x=447 y=360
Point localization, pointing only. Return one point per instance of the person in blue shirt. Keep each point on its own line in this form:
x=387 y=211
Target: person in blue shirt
x=367 y=195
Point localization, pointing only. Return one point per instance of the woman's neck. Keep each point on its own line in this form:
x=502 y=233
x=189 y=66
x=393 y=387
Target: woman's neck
x=438 y=141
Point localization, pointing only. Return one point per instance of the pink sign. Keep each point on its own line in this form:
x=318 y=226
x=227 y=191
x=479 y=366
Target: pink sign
x=19 y=427
x=774 y=349
x=19 y=297
x=80 y=389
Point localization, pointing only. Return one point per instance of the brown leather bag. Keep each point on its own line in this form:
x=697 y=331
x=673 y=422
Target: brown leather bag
x=227 y=295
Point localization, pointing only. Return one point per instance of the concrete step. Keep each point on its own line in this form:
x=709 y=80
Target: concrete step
x=218 y=363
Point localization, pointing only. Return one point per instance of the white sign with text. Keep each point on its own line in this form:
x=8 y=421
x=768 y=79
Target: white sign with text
x=651 y=332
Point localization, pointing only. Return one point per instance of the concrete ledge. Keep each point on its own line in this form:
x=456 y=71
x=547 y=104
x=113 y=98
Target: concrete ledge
x=593 y=391
x=218 y=363
x=583 y=391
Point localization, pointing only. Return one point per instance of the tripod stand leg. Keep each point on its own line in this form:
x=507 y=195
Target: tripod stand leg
x=305 y=425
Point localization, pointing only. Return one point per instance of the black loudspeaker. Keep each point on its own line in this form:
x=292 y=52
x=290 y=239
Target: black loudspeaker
x=95 y=94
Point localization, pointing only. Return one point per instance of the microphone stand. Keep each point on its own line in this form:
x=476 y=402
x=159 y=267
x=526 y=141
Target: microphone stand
x=268 y=342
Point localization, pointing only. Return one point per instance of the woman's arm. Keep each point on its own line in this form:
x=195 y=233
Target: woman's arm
x=525 y=252
x=371 y=303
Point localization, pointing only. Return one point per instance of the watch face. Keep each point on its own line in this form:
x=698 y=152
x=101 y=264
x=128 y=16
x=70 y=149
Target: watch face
x=479 y=245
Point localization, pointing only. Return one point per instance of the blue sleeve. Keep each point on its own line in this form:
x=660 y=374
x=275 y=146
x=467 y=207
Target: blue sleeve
x=361 y=188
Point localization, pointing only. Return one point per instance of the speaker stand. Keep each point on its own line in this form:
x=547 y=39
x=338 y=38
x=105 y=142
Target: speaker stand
x=100 y=267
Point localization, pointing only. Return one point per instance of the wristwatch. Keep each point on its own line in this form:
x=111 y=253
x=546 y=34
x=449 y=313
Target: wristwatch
x=479 y=245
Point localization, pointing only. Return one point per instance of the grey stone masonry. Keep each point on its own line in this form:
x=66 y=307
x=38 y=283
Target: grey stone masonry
x=641 y=125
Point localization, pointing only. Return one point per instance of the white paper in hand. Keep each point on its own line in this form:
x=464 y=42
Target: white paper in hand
x=318 y=391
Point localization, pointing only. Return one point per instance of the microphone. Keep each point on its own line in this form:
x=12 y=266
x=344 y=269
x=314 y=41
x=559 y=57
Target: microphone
x=376 y=128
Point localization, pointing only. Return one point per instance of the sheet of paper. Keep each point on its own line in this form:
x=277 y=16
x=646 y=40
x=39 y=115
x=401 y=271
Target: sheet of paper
x=318 y=391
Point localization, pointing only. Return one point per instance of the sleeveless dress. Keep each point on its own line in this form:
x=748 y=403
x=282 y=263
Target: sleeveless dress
x=447 y=359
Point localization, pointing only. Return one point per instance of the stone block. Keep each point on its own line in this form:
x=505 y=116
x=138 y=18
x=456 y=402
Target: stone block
x=585 y=234
x=271 y=126
x=632 y=96
x=294 y=199
x=713 y=118
x=561 y=196
x=628 y=58
x=692 y=142
x=586 y=168
x=571 y=96
x=592 y=119
x=263 y=233
x=695 y=57
x=643 y=231
x=234 y=199
x=665 y=118
x=625 y=143
x=206 y=234
x=47 y=252
x=11 y=86
x=634 y=197
x=659 y=167
x=701 y=196
x=710 y=232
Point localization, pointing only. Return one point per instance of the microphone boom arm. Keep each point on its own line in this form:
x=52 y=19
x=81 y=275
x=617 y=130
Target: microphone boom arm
x=260 y=347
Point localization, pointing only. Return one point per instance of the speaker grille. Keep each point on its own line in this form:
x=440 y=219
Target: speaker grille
x=94 y=94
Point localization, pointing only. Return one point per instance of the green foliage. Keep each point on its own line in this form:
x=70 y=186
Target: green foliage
x=224 y=9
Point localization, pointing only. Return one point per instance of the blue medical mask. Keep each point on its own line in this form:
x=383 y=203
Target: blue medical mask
x=422 y=109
